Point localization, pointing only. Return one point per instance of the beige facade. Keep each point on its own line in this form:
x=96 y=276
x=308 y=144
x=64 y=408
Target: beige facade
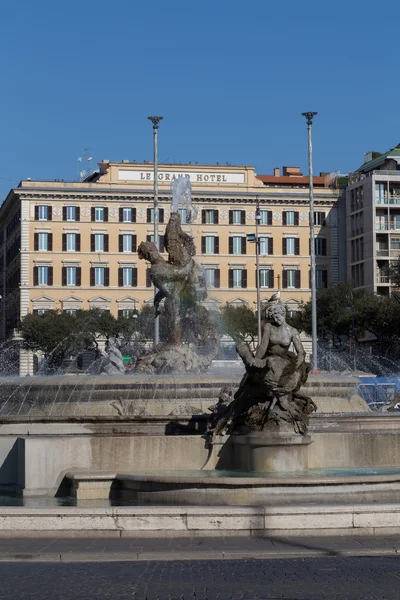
x=73 y=245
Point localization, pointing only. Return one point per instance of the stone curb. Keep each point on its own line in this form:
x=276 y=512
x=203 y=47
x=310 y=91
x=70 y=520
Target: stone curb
x=171 y=556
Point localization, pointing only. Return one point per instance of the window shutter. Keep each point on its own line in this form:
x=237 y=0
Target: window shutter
x=64 y=242
x=134 y=243
x=231 y=217
x=284 y=246
x=271 y=279
x=323 y=247
x=149 y=215
x=148 y=280
x=297 y=246
x=92 y=278
x=270 y=246
x=64 y=276
x=36 y=241
x=161 y=243
x=64 y=213
x=298 y=279
x=50 y=242
x=49 y=213
x=244 y=278
x=323 y=219
x=78 y=242
x=36 y=213
x=230 y=278
x=216 y=245
x=120 y=243
x=134 y=277
x=35 y=275
x=148 y=237
x=121 y=214
x=133 y=214
x=120 y=313
x=256 y=278
x=203 y=244
x=269 y=217
x=243 y=217
x=217 y=278
x=78 y=276
x=120 y=277
x=107 y=276
x=284 y=279
x=284 y=217
x=230 y=245
x=203 y=216
x=161 y=215
x=92 y=246
x=93 y=213
x=244 y=245
x=77 y=213
x=296 y=218
x=216 y=217
x=325 y=278
x=106 y=214
x=106 y=243
x=50 y=276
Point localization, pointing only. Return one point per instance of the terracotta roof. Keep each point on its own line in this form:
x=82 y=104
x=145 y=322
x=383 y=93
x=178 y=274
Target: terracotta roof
x=286 y=179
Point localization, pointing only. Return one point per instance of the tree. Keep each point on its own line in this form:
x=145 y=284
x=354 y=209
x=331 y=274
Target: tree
x=239 y=322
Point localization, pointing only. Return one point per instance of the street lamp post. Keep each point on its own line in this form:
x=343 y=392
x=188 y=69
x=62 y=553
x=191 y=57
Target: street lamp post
x=314 y=362
x=155 y=121
x=254 y=239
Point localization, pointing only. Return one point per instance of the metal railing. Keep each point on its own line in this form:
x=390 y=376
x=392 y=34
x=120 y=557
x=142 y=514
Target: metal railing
x=387 y=225
x=377 y=395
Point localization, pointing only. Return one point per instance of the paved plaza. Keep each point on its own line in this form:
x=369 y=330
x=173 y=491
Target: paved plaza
x=335 y=578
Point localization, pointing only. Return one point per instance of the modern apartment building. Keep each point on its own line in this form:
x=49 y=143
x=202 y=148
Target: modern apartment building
x=373 y=221
x=74 y=245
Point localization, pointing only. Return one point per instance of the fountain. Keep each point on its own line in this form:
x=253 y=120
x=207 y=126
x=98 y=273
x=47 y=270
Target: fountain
x=278 y=441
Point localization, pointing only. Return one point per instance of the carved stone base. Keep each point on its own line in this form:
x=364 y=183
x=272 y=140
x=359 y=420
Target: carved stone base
x=175 y=359
x=264 y=452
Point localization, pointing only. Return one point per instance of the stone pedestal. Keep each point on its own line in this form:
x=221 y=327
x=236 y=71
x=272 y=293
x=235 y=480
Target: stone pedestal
x=265 y=452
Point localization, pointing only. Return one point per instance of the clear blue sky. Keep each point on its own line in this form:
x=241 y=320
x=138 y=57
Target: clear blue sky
x=230 y=78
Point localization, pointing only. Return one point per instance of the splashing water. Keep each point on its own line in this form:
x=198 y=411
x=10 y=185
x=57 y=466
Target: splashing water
x=181 y=191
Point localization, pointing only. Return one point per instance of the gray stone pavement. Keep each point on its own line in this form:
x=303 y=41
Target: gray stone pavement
x=327 y=578
x=193 y=548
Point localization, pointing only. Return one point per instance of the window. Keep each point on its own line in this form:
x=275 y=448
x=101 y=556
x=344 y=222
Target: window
x=380 y=193
x=237 y=278
x=266 y=217
x=71 y=242
x=209 y=216
x=320 y=247
x=209 y=244
x=319 y=218
x=128 y=313
x=290 y=246
x=290 y=217
x=41 y=311
x=264 y=245
x=43 y=213
x=43 y=275
x=291 y=278
x=71 y=311
x=321 y=278
x=237 y=245
x=127 y=244
x=99 y=275
x=99 y=242
x=212 y=277
x=127 y=214
x=71 y=213
x=150 y=215
x=43 y=241
x=266 y=278
x=183 y=213
x=237 y=217
x=150 y=238
x=395 y=243
x=71 y=275
x=127 y=276
x=99 y=213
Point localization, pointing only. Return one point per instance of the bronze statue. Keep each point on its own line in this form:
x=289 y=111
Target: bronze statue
x=268 y=396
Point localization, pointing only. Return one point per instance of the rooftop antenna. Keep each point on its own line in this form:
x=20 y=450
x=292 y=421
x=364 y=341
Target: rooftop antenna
x=84 y=165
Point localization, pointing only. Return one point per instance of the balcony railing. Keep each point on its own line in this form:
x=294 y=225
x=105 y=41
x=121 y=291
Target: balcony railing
x=387 y=225
x=382 y=279
x=382 y=252
x=393 y=200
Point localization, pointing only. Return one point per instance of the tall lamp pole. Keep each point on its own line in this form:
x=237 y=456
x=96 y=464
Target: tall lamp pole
x=258 y=219
x=155 y=121
x=314 y=362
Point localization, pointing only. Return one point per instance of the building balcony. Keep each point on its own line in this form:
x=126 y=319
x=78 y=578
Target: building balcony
x=382 y=252
x=391 y=200
x=382 y=279
x=387 y=225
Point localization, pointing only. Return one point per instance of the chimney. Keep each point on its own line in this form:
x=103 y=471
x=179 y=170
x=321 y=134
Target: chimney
x=277 y=172
x=292 y=171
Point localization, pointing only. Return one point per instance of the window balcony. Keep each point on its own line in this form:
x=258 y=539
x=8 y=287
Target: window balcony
x=382 y=252
x=382 y=279
x=387 y=225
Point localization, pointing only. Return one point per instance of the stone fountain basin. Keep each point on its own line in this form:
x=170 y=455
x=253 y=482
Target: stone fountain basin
x=217 y=488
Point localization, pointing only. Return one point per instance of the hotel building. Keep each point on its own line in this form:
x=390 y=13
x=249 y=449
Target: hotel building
x=73 y=246
x=373 y=221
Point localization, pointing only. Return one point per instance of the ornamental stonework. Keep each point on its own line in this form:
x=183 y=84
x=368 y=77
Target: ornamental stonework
x=303 y=216
x=277 y=216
